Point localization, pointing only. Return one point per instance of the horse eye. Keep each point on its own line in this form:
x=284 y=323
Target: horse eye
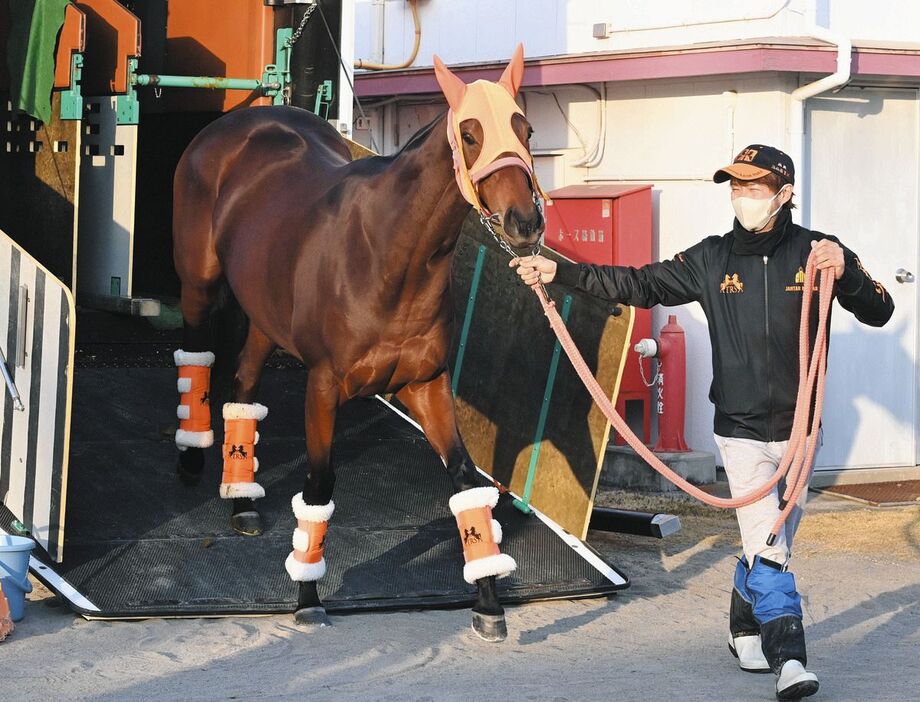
x=468 y=138
x=529 y=133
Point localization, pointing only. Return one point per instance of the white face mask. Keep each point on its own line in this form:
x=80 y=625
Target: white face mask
x=754 y=213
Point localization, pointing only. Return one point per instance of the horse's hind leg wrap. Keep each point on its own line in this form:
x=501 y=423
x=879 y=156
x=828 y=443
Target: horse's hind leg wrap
x=480 y=534
x=240 y=439
x=306 y=561
x=194 y=410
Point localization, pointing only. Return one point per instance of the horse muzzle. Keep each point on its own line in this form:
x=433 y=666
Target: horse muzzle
x=523 y=228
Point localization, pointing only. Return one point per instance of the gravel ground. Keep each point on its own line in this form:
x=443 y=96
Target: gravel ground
x=665 y=637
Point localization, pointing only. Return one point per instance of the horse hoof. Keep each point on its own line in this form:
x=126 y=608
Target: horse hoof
x=190 y=466
x=311 y=617
x=490 y=627
x=247 y=523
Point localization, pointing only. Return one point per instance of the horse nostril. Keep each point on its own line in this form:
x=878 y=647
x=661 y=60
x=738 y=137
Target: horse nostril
x=525 y=225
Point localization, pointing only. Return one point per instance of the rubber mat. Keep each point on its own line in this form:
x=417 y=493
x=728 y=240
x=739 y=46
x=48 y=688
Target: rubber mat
x=903 y=492
x=139 y=544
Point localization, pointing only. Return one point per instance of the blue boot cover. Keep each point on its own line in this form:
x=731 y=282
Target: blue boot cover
x=773 y=592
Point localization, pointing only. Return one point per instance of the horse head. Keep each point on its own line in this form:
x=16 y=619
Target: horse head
x=489 y=136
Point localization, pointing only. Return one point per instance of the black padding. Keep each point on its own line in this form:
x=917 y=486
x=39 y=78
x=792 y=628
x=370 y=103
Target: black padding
x=139 y=542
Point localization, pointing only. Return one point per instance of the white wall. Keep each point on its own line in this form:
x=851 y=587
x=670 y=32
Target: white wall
x=469 y=31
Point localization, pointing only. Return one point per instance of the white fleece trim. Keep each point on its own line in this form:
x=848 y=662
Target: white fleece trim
x=240 y=410
x=499 y=565
x=194 y=439
x=311 y=513
x=496 y=532
x=182 y=411
x=229 y=491
x=184 y=384
x=301 y=540
x=473 y=498
x=193 y=358
x=304 y=572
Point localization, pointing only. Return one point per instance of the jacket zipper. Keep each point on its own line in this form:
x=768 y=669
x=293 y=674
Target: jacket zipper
x=766 y=324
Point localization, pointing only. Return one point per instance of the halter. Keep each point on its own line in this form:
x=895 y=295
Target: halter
x=493 y=107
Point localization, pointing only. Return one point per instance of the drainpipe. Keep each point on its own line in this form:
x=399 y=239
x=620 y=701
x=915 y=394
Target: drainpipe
x=837 y=79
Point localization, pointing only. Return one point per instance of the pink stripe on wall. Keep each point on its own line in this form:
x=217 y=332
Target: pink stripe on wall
x=594 y=69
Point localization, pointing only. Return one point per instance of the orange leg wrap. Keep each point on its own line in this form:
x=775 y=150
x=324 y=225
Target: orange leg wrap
x=476 y=533
x=240 y=439
x=196 y=400
x=316 y=541
x=239 y=450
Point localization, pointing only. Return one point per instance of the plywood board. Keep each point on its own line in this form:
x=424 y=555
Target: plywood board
x=503 y=379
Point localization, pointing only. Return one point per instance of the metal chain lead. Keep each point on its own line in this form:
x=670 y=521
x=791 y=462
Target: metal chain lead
x=286 y=90
x=303 y=23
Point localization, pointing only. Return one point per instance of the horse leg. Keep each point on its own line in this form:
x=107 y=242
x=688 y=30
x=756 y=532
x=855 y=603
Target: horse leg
x=237 y=482
x=432 y=404
x=313 y=507
x=194 y=361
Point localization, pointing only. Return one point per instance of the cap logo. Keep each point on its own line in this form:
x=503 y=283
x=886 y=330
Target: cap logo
x=747 y=155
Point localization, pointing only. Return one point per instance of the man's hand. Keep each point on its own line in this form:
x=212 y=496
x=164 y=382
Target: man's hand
x=828 y=255
x=534 y=269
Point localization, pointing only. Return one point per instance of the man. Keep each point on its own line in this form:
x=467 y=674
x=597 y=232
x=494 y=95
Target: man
x=749 y=283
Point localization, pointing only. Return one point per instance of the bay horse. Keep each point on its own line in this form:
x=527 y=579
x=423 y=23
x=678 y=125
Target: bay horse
x=345 y=264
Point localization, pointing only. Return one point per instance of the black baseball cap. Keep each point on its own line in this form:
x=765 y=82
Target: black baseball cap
x=756 y=161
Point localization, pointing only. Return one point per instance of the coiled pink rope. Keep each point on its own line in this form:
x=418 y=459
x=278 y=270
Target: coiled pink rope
x=798 y=458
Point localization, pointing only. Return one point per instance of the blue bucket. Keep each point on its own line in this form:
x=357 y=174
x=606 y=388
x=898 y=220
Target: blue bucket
x=14 y=571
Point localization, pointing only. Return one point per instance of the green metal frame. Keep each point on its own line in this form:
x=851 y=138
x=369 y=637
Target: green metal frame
x=274 y=83
x=323 y=97
x=72 y=99
x=523 y=504
x=127 y=108
x=468 y=318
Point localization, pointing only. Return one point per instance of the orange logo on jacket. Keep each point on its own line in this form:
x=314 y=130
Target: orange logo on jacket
x=731 y=284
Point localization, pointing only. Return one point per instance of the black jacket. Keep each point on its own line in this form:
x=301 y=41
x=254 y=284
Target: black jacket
x=752 y=303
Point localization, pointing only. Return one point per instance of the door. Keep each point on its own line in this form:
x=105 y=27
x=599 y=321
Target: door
x=862 y=170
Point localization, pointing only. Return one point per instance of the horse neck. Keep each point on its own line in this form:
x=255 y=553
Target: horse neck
x=437 y=209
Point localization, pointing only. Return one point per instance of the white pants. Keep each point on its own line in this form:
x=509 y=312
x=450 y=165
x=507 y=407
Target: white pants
x=748 y=465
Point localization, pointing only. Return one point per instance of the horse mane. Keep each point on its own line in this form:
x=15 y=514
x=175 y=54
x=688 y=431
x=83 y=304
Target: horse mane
x=419 y=137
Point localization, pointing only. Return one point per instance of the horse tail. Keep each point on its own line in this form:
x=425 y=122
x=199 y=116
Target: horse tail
x=229 y=329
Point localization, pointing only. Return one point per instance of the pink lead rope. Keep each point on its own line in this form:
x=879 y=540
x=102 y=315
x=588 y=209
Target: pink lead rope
x=799 y=456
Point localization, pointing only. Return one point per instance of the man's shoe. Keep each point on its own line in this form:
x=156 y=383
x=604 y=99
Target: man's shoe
x=747 y=650
x=794 y=682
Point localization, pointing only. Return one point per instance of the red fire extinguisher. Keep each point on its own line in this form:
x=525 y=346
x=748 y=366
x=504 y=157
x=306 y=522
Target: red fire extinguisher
x=669 y=385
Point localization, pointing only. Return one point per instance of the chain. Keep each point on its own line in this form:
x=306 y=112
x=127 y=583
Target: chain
x=489 y=223
x=642 y=373
x=303 y=23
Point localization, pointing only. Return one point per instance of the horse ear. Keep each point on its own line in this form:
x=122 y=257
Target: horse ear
x=453 y=88
x=514 y=73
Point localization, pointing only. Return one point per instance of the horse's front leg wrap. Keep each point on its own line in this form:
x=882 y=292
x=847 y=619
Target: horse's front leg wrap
x=240 y=439
x=194 y=410
x=480 y=534
x=306 y=562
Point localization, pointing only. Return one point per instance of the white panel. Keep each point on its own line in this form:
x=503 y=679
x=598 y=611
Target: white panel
x=107 y=191
x=5 y=283
x=886 y=20
x=492 y=36
x=44 y=450
x=471 y=31
x=23 y=377
x=863 y=151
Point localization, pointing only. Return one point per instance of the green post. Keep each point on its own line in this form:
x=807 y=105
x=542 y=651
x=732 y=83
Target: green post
x=470 y=304
x=71 y=99
x=523 y=504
